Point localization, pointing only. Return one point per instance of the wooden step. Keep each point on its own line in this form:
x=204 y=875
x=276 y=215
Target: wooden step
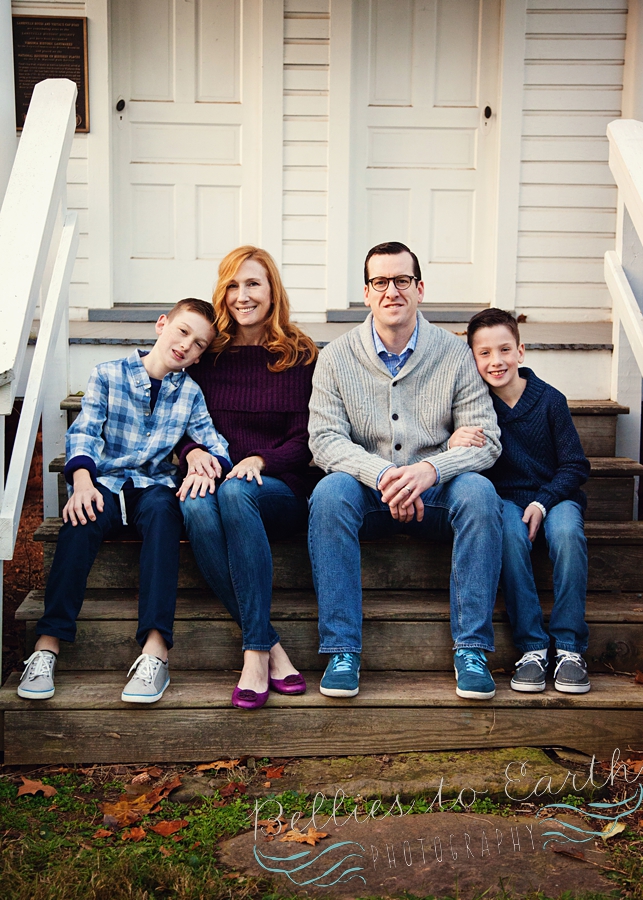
x=615 y=550
x=86 y=720
x=405 y=630
x=610 y=489
x=595 y=421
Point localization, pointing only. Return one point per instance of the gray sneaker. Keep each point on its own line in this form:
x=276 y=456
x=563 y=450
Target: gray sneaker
x=147 y=684
x=530 y=673
x=570 y=674
x=37 y=680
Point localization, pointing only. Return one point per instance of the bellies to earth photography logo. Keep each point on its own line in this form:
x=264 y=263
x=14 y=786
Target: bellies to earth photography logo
x=346 y=839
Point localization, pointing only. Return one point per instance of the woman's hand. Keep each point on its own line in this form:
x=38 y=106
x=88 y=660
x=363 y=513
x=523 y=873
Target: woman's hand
x=248 y=468
x=196 y=485
x=200 y=462
x=467 y=436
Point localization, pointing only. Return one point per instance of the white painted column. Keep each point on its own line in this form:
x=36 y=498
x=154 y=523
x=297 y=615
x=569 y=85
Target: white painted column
x=8 y=140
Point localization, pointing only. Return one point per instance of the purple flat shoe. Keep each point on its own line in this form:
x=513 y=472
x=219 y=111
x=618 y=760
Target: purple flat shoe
x=243 y=698
x=291 y=684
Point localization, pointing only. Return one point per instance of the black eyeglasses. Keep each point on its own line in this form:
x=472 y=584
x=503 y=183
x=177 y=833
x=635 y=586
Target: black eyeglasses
x=401 y=282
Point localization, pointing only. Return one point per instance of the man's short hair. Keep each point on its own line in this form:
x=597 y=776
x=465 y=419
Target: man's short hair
x=487 y=318
x=392 y=248
x=193 y=305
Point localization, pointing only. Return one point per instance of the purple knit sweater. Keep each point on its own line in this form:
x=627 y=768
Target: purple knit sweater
x=259 y=412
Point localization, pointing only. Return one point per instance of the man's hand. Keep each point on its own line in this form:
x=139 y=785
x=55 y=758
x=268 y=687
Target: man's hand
x=532 y=519
x=196 y=485
x=401 y=488
x=467 y=436
x=248 y=468
x=80 y=502
x=200 y=462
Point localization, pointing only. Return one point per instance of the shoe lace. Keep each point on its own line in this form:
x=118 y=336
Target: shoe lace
x=342 y=662
x=473 y=661
x=563 y=656
x=146 y=667
x=38 y=664
x=532 y=656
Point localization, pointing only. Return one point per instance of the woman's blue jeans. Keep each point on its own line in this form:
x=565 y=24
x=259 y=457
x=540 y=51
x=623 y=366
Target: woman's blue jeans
x=563 y=527
x=343 y=511
x=229 y=532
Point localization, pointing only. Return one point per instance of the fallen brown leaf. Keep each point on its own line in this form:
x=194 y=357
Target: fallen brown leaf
x=166 y=851
x=35 y=787
x=177 y=837
x=128 y=810
x=569 y=851
x=521 y=318
x=636 y=766
x=232 y=875
x=638 y=677
x=103 y=833
x=195 y=845
x=219 y=764
x=312 y=836
x=141 y=778
x=272 y=826
x=274 y=772
x=133 y=834
x=154 y=771
x=231 y=787
x=266 y=784
x=86 y=846
x=166 y=828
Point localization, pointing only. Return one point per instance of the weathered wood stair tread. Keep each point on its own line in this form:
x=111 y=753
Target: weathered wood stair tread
x=121 y=605
x=578 y=407
x=194 y=721
x=621 y=532
x=603 y=466
x=194 y=689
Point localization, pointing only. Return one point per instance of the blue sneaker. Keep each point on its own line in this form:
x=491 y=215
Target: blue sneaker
x=341 y=678
x=473 y=678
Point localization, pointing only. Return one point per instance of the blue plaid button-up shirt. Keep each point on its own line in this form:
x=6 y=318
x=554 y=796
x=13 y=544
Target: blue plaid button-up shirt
x=118 y=430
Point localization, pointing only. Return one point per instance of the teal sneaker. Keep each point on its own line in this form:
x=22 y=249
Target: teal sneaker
x=341 y=678
x=473 y=678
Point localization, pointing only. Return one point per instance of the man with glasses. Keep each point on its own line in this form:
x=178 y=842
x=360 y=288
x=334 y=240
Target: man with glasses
x=386 y=398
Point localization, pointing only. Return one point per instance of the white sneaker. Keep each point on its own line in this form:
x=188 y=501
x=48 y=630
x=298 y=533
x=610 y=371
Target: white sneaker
x=37 y=680
x=147 y=684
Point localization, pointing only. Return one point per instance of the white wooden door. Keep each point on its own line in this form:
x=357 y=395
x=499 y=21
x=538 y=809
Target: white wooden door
x=187 y=142
x=423 y=154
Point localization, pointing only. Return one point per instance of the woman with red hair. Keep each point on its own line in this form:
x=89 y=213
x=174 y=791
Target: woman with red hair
x=257 y=380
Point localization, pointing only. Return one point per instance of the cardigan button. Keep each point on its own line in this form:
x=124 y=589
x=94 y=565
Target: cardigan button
x=398 y=446
x=394 y=384
x=395 y=417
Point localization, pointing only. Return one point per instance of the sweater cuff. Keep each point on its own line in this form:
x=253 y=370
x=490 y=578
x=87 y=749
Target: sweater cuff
x=225 y=464
x=371 y=468
x=183 y=456
x=79 y=462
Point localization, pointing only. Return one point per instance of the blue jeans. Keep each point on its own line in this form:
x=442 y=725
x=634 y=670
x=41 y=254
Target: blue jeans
x=154 y=511
x=563 y=527
x=229 y=533
x=343 y=511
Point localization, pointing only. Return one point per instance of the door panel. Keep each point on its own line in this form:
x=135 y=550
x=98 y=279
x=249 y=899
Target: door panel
x=188 y=142
x=423 y=155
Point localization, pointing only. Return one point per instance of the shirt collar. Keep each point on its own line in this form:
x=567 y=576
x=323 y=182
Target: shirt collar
x=380 y=348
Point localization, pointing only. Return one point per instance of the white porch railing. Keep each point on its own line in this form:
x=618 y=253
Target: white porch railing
x=38 y=243
x=624 y=277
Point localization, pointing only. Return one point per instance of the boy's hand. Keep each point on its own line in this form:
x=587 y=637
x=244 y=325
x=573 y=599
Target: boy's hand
x=200 y=462
x=80 y=502
x=401 y=488
x=248 y=468
x=532 y=519
x=467 y=436
x=196 y=485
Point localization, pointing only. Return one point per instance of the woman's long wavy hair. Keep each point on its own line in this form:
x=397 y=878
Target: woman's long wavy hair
x=283 y=338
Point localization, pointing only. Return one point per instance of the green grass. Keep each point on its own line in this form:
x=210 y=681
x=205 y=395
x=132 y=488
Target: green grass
x=48 y=850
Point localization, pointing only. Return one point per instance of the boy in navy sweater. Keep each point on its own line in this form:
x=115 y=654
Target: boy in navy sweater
x=538 y=477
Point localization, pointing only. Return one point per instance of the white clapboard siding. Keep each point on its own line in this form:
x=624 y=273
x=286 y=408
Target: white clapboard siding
x=305 y=155
x=573 y=87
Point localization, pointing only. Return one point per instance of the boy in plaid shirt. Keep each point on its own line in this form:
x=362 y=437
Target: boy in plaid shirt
x=119 y=453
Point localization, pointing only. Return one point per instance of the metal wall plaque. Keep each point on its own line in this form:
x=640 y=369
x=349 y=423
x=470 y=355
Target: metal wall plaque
x=50 y=47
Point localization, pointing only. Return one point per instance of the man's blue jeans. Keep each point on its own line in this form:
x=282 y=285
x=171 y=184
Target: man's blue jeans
x=563 y=527
x=343 y=511
x=154 y=512
x=229 y=533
